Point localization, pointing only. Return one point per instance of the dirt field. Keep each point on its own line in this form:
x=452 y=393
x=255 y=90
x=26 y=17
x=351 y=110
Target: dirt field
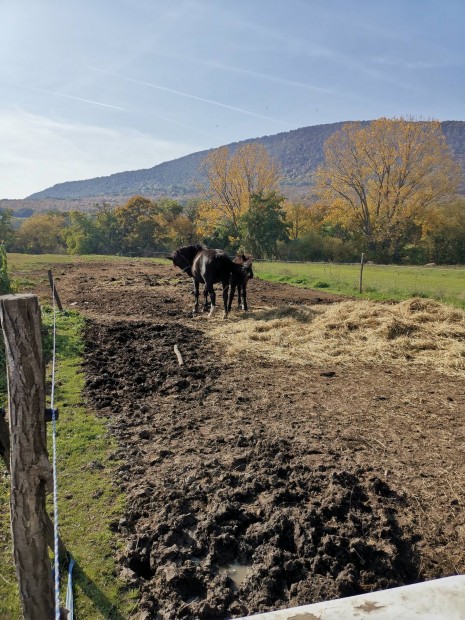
x=254 y=483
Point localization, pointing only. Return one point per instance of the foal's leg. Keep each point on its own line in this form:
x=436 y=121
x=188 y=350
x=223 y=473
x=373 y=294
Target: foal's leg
x=244 y=296
x=239 y=295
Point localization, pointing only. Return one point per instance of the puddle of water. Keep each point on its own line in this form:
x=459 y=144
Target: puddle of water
x=236 y=572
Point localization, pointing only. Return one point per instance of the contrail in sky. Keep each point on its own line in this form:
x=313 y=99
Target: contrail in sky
x=182 y=94
x=51 y=92
x=256 y=74
x=267 y=76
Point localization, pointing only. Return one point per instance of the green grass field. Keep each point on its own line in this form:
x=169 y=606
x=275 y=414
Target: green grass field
x=380 y=282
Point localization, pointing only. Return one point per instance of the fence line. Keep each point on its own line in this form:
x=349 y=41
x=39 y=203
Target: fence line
x=153 y=254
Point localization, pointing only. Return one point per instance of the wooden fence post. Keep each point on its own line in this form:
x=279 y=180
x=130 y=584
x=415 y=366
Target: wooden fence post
x=53 y=286
x=362 y=262
x=30 y=468
x=4 y=441
x=5 y=456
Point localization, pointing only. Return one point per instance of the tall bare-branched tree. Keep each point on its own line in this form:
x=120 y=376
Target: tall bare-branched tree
x=379 y=179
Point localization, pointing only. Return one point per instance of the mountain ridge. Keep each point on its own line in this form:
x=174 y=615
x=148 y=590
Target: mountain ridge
x=299 y=152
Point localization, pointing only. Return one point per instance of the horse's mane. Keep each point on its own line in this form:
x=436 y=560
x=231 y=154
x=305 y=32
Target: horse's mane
x=189 y=251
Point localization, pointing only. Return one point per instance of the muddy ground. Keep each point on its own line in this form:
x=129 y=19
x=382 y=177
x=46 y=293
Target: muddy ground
x=253 y=485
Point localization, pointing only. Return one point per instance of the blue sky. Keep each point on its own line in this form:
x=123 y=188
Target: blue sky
x=92 y=87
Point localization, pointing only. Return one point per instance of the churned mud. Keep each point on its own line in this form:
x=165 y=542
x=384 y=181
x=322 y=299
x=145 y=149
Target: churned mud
x=253 y=485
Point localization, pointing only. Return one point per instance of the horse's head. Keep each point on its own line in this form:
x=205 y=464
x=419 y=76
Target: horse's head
x=184 y=257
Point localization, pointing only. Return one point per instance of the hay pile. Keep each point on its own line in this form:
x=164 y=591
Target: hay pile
x=414 y=332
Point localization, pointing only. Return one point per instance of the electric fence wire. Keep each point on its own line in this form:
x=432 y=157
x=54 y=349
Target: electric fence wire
x=54 y=467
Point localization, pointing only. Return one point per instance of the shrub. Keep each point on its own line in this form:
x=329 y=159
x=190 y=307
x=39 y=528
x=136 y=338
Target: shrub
x=5 y=283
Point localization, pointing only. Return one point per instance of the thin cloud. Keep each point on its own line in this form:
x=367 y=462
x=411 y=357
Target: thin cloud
x=162 y=118
x=39 y=152
x=303 y=47
x=52 y=92
x=183 y=125
x=189 y=96
x=418 y=64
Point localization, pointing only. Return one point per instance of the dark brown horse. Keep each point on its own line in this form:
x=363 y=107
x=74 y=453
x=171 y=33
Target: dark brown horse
x=214 y=266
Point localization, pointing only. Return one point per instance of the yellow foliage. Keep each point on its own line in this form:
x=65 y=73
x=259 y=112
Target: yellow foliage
x=134 y=210
x=43 y=233
x=231 y=179
x=301 y=218
x=180 y=230
x=377 y=176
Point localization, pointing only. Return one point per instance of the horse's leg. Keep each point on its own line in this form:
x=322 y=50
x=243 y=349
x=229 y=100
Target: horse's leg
x=196 y=296
x=231 y=294
x=209 y=289
x=225 y=283
x=205 y=298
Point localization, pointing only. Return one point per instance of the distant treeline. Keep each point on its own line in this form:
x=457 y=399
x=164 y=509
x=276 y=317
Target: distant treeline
x=291 y=232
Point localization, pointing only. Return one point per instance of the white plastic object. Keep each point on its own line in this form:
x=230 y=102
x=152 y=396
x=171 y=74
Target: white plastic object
x=439 y=599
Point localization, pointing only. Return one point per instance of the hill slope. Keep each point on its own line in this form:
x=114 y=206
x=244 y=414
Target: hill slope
x=299 y=152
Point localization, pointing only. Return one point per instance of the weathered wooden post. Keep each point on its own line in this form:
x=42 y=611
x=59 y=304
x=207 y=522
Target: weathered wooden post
x=4 y=440
x=54 y=290
x=30 y=468
x=5 y=456
x=362 y=262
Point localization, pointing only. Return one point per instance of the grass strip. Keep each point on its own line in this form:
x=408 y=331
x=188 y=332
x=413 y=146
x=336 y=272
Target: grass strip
x=380 y=282
x=88 y=499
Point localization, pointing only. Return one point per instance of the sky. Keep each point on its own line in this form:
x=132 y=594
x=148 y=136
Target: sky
x=89 y=88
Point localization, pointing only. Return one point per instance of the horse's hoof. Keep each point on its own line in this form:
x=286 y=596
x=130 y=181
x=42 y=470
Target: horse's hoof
x=225 y=316
x=212 y=310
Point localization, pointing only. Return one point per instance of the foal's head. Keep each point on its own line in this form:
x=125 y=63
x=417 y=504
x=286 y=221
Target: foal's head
x=246 y=264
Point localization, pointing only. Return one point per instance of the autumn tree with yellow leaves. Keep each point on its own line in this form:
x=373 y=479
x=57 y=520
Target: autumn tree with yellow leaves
x=177 y=224
x=302 y=219
x=379 y=179
x=42 y=233
x=230 y=180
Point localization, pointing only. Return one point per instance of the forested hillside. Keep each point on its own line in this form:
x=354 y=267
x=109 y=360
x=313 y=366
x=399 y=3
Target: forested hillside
x=387 y=189
x=299 y=152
